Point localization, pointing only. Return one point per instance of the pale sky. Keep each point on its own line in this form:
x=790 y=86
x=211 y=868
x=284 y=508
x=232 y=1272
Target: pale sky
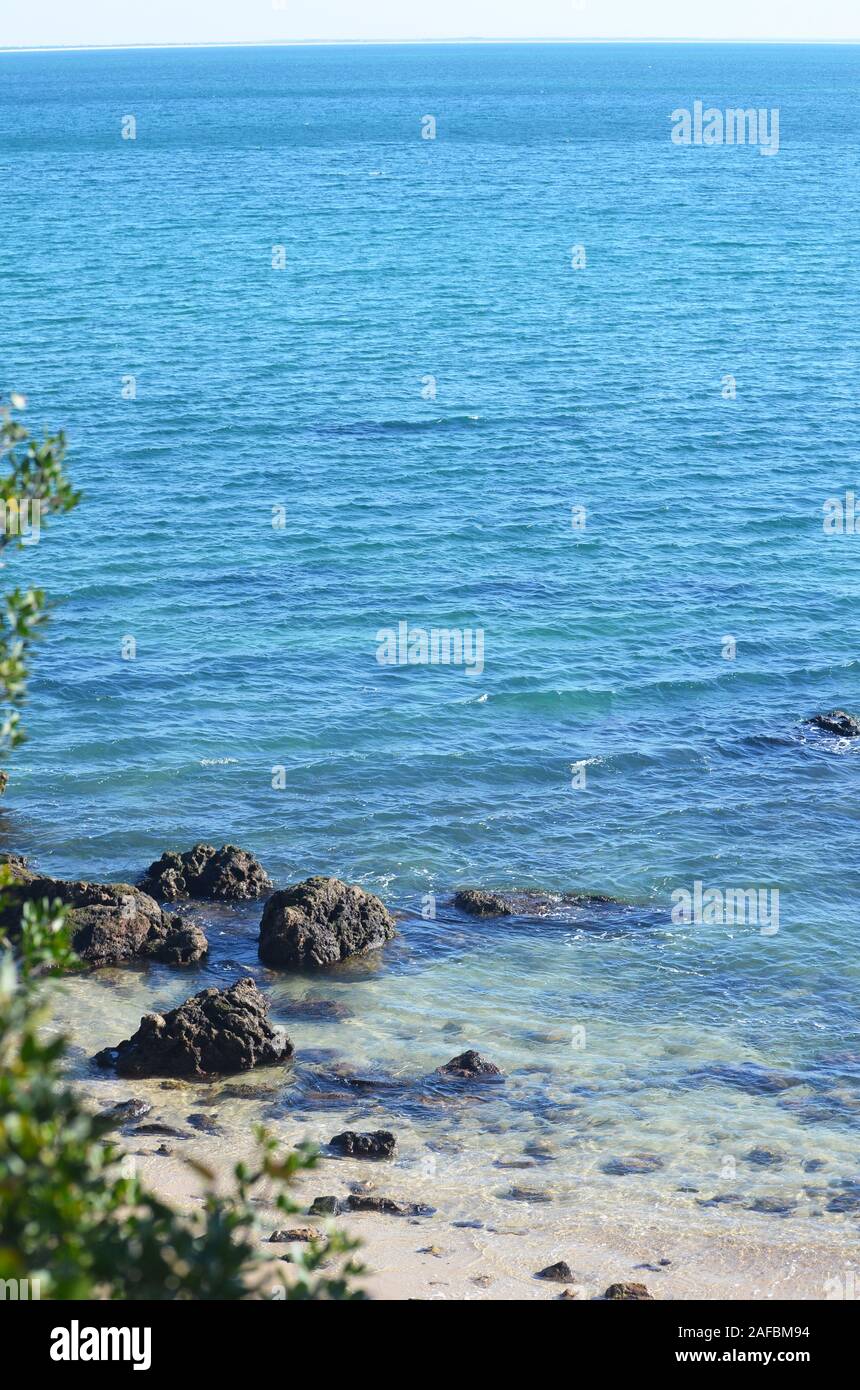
x=25 y=23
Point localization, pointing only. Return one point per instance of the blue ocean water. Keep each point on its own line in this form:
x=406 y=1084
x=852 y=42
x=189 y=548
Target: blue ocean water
x=306 y=388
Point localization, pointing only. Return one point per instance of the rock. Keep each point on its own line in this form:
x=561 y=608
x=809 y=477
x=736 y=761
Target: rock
x=845 y=1201
x=110 y=922
x=469 y=1066
x=627 y=1293
x=387 y=1206
x=633 y=1163
x=560 y=1273
x=814 y=1165
x=479 y=903
x=721 y=1199
x=525 y=1194
x=774 y=1206
x=542 y=1149
x=164 y=1151
x=378 y=1144
x=435 y=1250
x=837 y=722
x=302 y=1233
x=204 y=1123
x=324 y=1206
x=124 y=1111
x=764 y=1158
x=214 y=1032
x=158 y=1127
x=228 y=874
x=320 y=922
x=316 y=1010
x=18 y=867
x=569 y=1293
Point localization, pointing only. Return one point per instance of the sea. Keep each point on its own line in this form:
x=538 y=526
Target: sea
x=457 y=340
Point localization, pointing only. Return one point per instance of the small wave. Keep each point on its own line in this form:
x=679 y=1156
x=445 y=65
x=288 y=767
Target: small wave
x=216 y=762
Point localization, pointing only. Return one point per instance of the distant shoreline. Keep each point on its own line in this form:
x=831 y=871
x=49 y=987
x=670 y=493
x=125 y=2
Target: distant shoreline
x=427 y=43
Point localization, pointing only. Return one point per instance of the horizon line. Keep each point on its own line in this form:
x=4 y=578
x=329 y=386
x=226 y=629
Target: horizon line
x=411 y=43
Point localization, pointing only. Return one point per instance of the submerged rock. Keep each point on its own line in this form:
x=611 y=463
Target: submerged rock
x=214 y=1032
x=320 y=922
x=124 y=1111
x=764 y=1158
x=632 y=1163
x=378 y=1144
x=838 y=722
x=626 y=1293
x=228 y=874
x=479 y=903
x=301 y=1233
x=110 y=922
x=469 y=1066
x=387 y=1206
x=560 y=1273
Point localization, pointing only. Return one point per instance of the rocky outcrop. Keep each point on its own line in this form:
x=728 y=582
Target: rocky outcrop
x=228 y=874
x=837 y=721
x=213 y=1033
x=470 y=1066
x=479 y=903
x=380 y=1143
x=320 y=922
x=110 y=922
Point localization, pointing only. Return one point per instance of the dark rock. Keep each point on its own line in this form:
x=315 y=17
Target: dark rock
x=774 y=1206
x=302 y=1233
x=110 y=922
x=479 y=903
x=324 y=1206
x=756 y=1080
x=378 y=1144
x=633 y=1163
x=316 y=1010
x=228 y=875
x=722 y=1199
x=387 y=1206
x=157 y=1127
x=164 y=1151
x=845 y=1201
x=124 y=1111
x=214 y=1032
x=525 y=1194
x=764 y=1158
x=626 y=1293
x=560 y=1273
x=204 y=1123
x=470 y=1065
x=320 y=922
x=569 y=1293
x=814 y=1165
x=837 y=722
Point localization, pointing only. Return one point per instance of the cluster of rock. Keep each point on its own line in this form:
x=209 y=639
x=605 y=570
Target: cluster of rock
x=110 y=923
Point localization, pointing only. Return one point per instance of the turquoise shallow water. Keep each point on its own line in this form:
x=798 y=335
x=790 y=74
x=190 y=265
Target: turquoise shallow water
x=301 y=388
